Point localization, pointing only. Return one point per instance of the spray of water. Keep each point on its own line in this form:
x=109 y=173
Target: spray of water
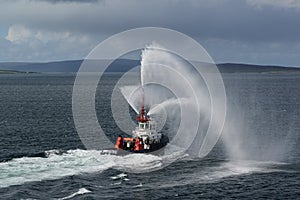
x=172 y=85
x=256 y=127
x=128 y=92
x=162 y=106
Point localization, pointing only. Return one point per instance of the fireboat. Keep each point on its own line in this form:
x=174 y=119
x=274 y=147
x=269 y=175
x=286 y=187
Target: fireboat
x=145 y=138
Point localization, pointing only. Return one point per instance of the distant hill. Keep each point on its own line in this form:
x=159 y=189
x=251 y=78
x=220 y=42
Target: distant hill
x=123 y=65
x=119 y=65
x=59 y=66
x=12 y=72
x=236 y=68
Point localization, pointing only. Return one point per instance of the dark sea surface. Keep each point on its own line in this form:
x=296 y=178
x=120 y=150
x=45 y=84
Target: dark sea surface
x=42 y=157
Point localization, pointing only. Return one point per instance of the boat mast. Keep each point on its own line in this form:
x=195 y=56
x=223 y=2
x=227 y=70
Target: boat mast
x=142 y=117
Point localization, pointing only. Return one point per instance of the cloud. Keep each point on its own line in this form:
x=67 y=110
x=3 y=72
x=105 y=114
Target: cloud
x=226 y=27
x=275 y=3
x=68 y=1
x=225 y=19
x=22 y=34
x=27 y=44
x=18 y=34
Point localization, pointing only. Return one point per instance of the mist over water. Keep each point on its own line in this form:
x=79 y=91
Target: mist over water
x=262 y=124
x=258 y=126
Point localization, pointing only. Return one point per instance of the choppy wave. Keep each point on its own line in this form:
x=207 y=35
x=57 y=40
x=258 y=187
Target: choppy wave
x=56 y=164
x=81 y=191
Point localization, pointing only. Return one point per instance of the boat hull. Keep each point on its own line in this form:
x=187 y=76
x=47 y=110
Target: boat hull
x=156 y=149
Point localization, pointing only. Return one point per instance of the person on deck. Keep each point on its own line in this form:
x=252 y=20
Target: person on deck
x=132 y=145
x=138 y=145
x=147 y=143
x=120 y=142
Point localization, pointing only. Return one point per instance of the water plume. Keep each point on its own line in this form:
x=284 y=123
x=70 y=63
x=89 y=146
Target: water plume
x=173 y=86
x=128 y=91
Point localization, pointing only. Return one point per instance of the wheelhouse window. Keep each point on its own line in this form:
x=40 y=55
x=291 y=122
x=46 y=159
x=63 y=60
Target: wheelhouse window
x=142 y=126
x=147 y=125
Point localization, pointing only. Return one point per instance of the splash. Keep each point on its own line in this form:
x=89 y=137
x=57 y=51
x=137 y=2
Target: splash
x=57 y=165
x=256 y=128
x=174 y=88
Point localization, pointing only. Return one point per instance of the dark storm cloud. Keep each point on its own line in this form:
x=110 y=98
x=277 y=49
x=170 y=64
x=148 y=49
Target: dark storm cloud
x=69 y=1
x=270 y=25
x=227 y=19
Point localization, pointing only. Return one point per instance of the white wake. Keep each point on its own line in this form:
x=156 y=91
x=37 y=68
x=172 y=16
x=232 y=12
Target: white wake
x=55 y=166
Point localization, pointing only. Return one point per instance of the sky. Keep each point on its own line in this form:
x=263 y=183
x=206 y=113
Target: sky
x=241 y=31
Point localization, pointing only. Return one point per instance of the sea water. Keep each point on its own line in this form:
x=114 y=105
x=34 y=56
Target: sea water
x=42 y=156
